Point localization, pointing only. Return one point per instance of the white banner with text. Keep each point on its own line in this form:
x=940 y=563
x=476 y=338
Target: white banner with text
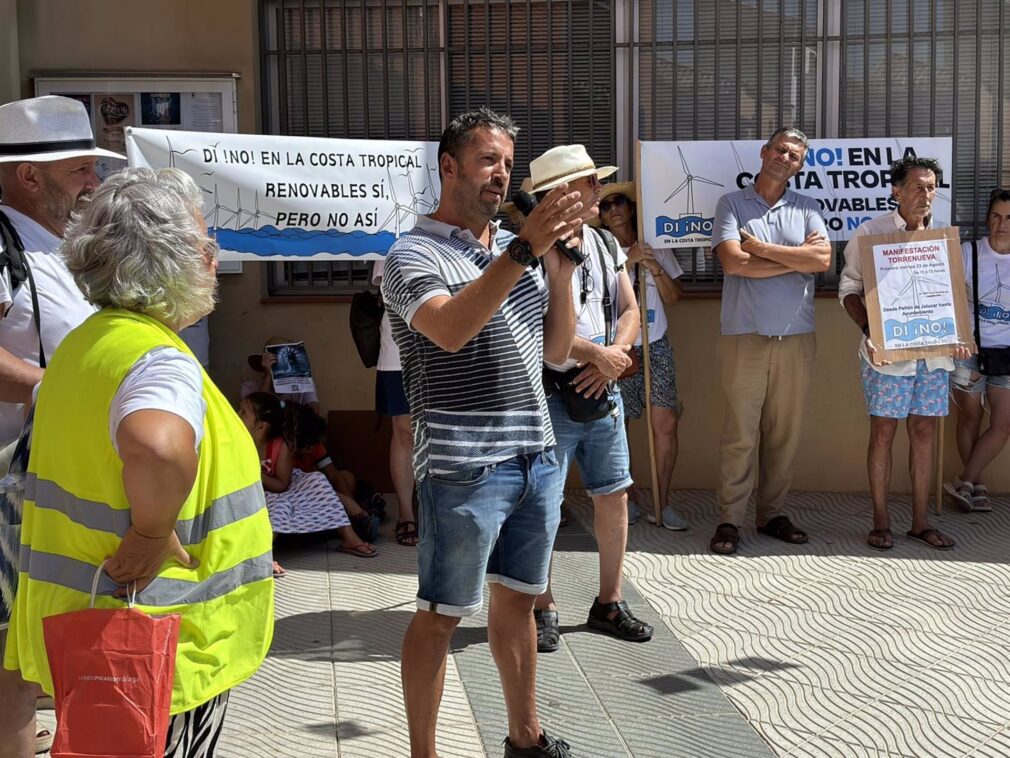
x=681 y=182
x=305 y=198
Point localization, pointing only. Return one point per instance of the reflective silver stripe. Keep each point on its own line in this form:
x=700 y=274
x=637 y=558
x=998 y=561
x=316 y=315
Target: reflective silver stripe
x=77 y=575
x=222 y=512
x=101 y=517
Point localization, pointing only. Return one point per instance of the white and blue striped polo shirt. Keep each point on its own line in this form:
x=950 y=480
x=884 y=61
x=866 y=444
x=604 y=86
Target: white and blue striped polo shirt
x=485 y=403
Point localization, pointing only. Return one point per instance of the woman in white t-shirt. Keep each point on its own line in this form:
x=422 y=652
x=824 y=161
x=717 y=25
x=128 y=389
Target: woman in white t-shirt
x=970 y=387
x=659 y=271
x=391 y=400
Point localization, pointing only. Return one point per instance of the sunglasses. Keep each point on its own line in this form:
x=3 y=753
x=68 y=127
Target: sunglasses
x=613 y=202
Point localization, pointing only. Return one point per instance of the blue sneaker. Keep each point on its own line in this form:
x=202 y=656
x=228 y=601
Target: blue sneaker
x=633 y=513
x=672 y=520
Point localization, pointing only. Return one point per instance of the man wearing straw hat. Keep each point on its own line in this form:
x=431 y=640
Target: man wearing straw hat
x=47 y=171
x=606 y=328
x=770 y=241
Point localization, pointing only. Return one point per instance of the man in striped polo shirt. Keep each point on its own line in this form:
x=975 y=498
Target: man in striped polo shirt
x=473 y=320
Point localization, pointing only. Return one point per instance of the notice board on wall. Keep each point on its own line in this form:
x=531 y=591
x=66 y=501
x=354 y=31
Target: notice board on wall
x=185 y=102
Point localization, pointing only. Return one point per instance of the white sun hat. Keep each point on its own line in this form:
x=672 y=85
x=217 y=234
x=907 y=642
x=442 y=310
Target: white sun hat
x=563 y=164
x=49 y=128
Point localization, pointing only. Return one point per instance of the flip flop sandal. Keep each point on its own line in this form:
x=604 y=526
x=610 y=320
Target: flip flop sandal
x=781 y=528
x=924 y=536
x=725 y=533
x=361 y=550
x=622 y=624
x=886 y=539
x=548 y=633
x=279 y=571
x=406 y=533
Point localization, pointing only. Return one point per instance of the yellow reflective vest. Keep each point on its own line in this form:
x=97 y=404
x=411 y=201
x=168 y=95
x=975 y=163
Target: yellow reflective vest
x=76 y=512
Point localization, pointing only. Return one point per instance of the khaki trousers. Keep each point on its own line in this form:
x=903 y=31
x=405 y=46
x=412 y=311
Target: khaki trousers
x=765 y=382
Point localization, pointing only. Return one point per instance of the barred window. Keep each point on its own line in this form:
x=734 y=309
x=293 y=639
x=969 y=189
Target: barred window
x=739 y=69
x=399 y=69
x=608 y=73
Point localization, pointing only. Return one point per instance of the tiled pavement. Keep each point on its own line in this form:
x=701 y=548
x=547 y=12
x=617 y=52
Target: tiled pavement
x=824 y=649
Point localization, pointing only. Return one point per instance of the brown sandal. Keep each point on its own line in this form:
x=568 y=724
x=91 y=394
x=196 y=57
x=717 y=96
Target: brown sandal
x=725 y=533
x=406 y=533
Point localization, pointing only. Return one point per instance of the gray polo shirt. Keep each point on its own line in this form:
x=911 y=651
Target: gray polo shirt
x=779 y=305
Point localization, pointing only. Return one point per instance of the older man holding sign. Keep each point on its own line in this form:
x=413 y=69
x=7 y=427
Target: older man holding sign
x=915 y=390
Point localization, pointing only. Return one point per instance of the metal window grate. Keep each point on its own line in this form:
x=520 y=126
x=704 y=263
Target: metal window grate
x=738 y=69
x=398 y=69
x=589 y=70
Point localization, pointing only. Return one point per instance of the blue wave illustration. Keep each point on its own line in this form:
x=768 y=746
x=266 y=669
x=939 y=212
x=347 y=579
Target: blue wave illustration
x=294 y=242
x=919 y=328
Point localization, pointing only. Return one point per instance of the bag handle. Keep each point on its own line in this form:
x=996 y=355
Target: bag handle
x=131 y=600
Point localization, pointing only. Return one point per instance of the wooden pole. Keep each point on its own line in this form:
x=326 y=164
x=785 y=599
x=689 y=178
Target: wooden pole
x=643 y=308
x=938 y=458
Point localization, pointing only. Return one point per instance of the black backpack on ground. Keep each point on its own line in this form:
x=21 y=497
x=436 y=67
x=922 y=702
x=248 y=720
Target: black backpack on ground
x=13 y=261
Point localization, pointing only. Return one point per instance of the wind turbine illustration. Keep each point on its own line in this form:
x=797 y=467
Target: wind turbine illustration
x=403 y=212
x=688 y=184
x=996 y=291
x=918 y=286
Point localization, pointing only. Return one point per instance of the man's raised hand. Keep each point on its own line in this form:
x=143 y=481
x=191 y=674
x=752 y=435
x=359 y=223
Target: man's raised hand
x=557 y=216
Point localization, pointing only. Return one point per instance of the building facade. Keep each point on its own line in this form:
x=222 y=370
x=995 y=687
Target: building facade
x=592 y=71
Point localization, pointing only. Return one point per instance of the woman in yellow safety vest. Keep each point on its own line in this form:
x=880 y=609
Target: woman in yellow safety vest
x=139 y=462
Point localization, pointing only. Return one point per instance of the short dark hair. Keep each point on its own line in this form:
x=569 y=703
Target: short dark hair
x=901 y=167
x=997 y=195
x=459 y=132
x=789 y=132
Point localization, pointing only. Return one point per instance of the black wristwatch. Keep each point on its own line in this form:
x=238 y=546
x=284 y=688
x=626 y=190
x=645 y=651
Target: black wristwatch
x=521 y=252
x=866 y=330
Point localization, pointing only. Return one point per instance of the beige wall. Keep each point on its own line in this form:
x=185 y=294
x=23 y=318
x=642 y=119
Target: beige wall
x=221 y=36
x=10 y=70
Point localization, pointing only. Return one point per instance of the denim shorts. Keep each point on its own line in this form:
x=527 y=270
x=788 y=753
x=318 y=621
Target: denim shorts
x=599 y=447
x=888 y=396
x=496 y=522
x=967 y=378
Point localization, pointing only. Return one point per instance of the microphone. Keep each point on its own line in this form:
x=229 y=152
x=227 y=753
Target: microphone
x=525 y=202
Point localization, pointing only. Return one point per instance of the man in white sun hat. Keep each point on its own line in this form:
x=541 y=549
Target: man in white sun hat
x=584 y=400
x=47 y=170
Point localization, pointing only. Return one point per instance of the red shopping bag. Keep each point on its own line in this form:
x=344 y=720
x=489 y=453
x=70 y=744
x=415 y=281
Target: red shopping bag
x=112 y=670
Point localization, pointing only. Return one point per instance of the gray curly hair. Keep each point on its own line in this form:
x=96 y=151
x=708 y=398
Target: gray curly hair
x=139 y=245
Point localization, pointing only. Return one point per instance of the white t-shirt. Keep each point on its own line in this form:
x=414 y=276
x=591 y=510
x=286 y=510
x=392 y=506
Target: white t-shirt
x=164 y=379
x=654 y=305
x=993 y=293
x=587 y=291
x=62 y=307
x=389 y=353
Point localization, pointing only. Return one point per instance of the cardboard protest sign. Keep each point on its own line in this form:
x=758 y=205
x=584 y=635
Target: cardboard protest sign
x=681 y=182
x=915 y=293
x=279 y=198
